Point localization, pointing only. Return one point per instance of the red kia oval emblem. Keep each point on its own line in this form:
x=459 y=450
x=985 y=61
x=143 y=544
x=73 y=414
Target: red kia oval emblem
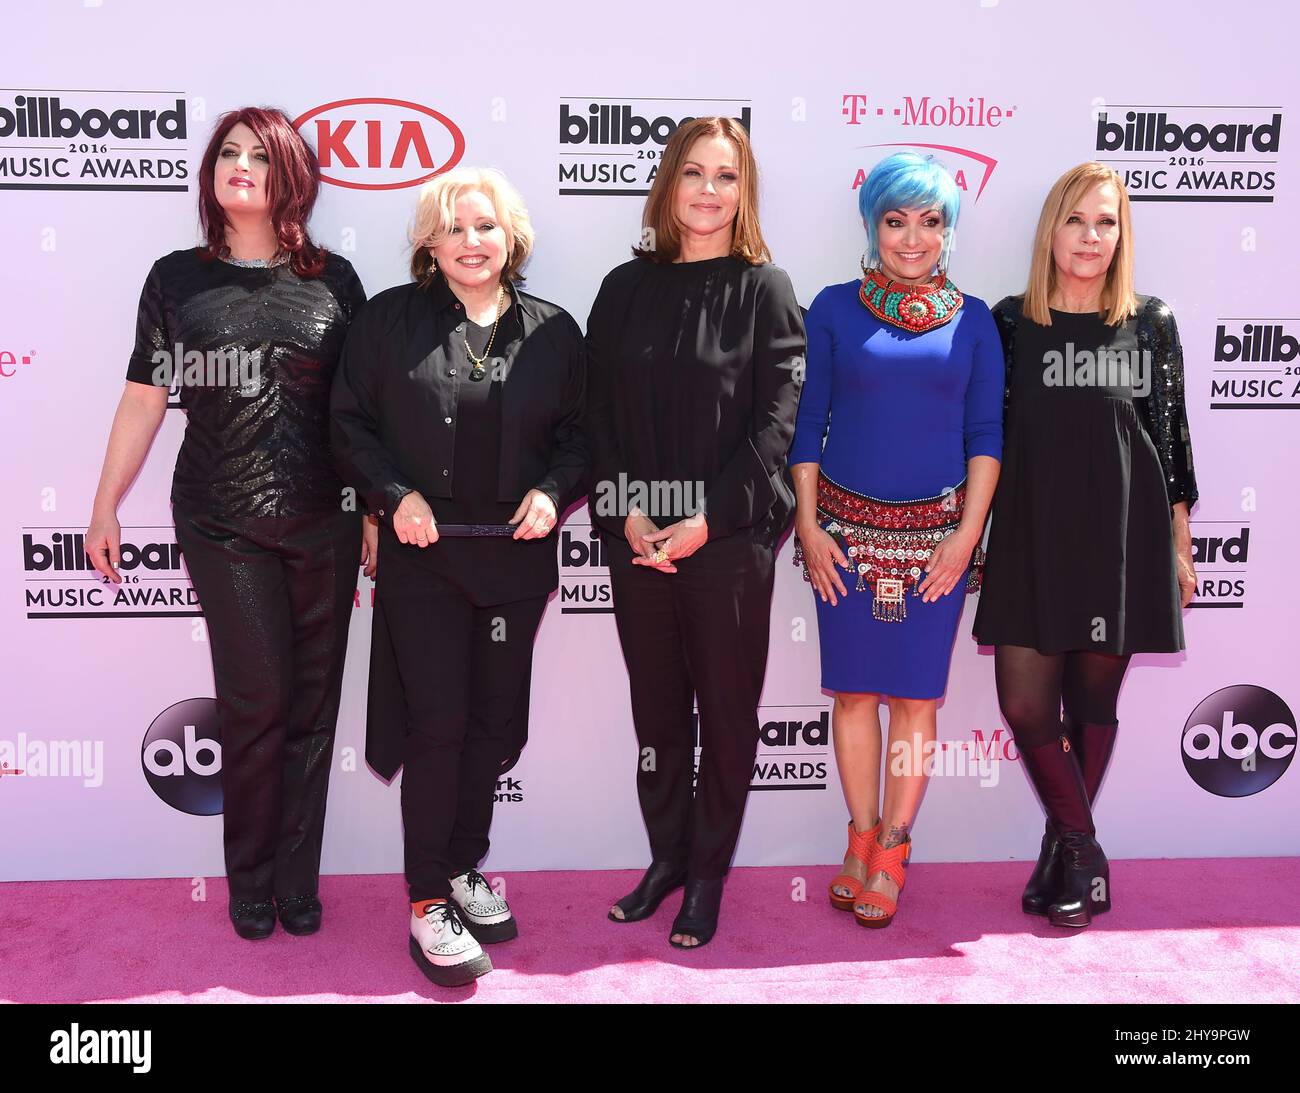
x=381 y=144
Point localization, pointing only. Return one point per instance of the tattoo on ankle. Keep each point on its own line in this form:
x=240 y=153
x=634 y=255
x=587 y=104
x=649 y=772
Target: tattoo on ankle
x=896 y=836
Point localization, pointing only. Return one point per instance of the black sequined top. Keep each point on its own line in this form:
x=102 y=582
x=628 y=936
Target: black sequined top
x=254 y=352
x=1163 y=412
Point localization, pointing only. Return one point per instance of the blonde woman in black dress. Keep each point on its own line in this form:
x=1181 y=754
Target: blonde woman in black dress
x=1090 y=553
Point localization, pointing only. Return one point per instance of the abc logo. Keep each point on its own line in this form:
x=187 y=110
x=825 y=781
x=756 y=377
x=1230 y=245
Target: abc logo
x=1239 y=741
x=182 y=757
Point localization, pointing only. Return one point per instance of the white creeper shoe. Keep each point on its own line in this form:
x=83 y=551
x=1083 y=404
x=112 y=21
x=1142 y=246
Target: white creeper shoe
x=485 y=913
x=443 y=948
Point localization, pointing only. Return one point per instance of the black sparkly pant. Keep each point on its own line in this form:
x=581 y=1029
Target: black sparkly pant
x=697 y=635
x=277 y=595
x=462 y=669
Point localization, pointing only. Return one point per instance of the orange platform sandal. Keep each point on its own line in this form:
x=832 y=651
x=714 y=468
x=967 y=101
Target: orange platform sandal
x=893 y=863
x=860 y=844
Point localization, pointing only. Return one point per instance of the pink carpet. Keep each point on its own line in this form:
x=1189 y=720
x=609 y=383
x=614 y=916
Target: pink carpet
x=1181 y=931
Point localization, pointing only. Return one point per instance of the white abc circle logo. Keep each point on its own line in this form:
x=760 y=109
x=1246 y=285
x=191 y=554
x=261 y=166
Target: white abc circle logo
x=181 y=757
x=1239 y=741
x=166 y=758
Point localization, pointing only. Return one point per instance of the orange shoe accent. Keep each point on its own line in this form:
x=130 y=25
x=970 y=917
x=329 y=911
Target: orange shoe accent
x=893 y=863
x=860 y=844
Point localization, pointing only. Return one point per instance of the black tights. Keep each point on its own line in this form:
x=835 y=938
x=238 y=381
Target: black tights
x=1033 y=687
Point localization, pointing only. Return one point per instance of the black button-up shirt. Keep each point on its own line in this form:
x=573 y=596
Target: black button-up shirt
x=393 y=405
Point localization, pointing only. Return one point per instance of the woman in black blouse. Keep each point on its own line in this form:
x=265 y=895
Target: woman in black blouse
x=249 y=328
x=696 y=349
x=1090 y=554
x=457 y=414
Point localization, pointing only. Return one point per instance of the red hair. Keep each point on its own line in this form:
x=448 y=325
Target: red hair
x=294 y=178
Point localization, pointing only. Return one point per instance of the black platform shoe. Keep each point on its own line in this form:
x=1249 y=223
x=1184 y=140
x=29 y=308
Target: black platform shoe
x=299 y=915
x=252 y=919
x=1085 y=882
x=643 y=901
x=1084 y=871
x=699 y=914
x=1044 y=882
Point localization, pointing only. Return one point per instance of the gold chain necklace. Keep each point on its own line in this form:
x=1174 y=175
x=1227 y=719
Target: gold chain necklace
x=478 y=371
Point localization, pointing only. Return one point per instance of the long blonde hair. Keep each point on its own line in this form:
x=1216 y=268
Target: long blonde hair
x=1118 y=301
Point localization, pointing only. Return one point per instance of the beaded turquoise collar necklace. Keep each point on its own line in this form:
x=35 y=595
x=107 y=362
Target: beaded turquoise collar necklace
x=916 y=308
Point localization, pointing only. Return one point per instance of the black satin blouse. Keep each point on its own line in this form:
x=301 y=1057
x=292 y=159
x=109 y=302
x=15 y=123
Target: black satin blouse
x=1163 y=412
x=257 y=437
x=695 y=376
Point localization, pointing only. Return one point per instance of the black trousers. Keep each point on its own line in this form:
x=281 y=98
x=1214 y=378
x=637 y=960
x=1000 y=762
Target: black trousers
x=700 y=634
x=462 y=667
x=277 y=595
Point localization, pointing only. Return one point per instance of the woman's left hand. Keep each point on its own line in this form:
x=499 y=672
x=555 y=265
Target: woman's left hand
x=679 y=540
x=535 y=516
x=946 y=565
x=369 y=545
x=1182 y=531
x=1186 y=576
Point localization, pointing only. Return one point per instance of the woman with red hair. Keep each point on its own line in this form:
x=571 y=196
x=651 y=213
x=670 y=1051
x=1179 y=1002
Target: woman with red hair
x=248 y=328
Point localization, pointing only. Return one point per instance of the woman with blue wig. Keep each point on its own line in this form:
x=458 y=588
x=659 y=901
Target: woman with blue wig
x=895 y=460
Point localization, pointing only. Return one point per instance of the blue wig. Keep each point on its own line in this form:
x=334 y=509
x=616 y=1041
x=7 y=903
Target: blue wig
x=908 y=180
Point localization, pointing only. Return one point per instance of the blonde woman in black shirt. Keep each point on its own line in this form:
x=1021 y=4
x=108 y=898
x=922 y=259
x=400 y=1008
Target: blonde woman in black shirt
x=457 y=414
x=249 y=328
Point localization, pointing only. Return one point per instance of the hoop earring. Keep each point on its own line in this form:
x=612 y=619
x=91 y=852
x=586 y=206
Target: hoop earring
x=866 y=270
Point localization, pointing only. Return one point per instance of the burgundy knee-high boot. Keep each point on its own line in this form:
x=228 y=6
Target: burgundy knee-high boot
x=1083 y=871
x=1093 y=744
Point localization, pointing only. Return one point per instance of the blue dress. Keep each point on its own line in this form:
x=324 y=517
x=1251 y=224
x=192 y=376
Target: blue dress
x=899 y=414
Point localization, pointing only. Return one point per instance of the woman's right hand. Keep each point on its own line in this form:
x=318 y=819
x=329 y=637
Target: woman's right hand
x=637 y=525
x=413 y=521
x=821 y=554
x=369 y=545
x=104 y=544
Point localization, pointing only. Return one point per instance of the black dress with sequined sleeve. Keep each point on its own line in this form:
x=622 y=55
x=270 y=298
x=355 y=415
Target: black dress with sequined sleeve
x=1097 y=450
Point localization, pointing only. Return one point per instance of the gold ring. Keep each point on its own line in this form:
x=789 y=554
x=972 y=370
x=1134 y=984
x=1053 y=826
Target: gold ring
x=660 y=556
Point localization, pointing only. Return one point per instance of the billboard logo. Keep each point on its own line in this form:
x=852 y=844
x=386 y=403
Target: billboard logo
x=94 y=140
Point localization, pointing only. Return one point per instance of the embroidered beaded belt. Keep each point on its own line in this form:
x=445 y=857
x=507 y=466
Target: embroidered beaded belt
x=889 y=543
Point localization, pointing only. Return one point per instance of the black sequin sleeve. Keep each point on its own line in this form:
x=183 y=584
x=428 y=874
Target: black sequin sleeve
x=1006 y=316
x=151 y=336
x=1163 y=410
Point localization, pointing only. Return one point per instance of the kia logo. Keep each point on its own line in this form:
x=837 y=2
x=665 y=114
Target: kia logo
x=381 y=144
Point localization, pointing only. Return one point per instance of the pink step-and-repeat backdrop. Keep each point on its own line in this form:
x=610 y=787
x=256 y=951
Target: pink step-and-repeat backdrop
x=107 y=766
